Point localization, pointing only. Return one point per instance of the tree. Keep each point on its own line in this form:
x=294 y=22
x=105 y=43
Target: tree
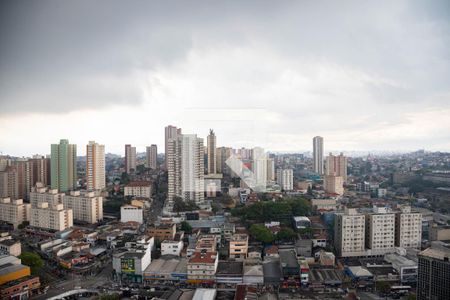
x=33 y=260
x=186 y=227
x=285 y=234
x=261 y=233
x=23 y=224
x=227 y=200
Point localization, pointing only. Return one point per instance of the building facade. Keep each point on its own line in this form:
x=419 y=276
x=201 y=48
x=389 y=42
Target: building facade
x=151 y=154
x=318 y=154
x=170 y=133
x=14 y=212
x=87 y=207
x=285 y=179
x=211 y=152
x=141 y=189
x=63 y=166
x=54 y=218
x=349 y=233
x=337 y=166
x=380 y=230
x=130 y=158
x=408 y=228
x=95 y=166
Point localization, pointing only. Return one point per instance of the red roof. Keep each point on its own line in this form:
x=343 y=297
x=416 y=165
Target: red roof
x=203 y=258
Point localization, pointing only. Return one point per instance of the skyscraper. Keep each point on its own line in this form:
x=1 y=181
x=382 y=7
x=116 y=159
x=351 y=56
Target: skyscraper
x=130 y=158
x=151 y=156
x=434 y=273
x=185 y=162
x=63 y=166
x=171 y=132
x=318 y=154
x=223 y=153
x=211 y=152
x=95 y=166
x=336 y=166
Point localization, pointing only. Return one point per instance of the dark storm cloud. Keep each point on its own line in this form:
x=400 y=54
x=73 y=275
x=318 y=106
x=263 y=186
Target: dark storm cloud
x=60 y=56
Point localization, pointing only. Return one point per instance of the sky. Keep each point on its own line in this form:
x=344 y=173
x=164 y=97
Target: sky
x=365 y=75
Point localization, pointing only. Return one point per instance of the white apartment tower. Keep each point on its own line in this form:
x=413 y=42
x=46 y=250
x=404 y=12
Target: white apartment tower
x=318 y=154
x=86 y=206
x=211 y=152
x=40 y=194
x=152 y=155
x=380 y=230
x=285 y=179
x=170 y=133
x=95 y=166
x=51 y=217
x=270 y=169
x=185 y=163
x=408 y=228
x=130 y=158
x=349 y=233
x=259 y=157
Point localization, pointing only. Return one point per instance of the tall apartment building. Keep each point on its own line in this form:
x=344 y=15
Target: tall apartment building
x=349 y=233
x=223 y=153
x=185 y=156
x=270 y=169
x=40 y=194
x=259 y=157
x=336 y=165
x=333 y=184
x=170 y=133
x=95 y=166
x=433 y=273
x=380 y=230
x=86 y=206
x=21 y=166
x=39 y=170
x=152 y=156
x=9 y=187
x=51 y=217
x=130 y=158
x=63 y=166
x=408 y=228
x=285 y=179
x=14 y=212
x=211 y=152
x=318 y=154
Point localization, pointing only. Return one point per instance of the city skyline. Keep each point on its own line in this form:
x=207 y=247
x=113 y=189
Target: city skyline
x=382 y=86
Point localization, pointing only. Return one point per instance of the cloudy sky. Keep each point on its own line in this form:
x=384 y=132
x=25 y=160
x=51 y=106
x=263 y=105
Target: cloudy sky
x=365 y=76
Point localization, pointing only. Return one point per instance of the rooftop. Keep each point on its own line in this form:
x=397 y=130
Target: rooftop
x=203 y=258
x=230 y=268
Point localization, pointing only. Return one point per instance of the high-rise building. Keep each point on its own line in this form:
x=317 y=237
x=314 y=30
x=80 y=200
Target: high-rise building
x=51 y=217
x=185 y=163
x=259 y=158
x=285 y=179
x=95 y=166
x=63 y=166
x=408 y=228
x=333 y=184
x=336 y=165
x=434 y=272
x=9 y=187
x=318 y=154
x=171 y=132
x=211 y=152
x=21 y=166
x=349 y=233
x=130 y=159
x=152 y=156
x=380 y=230
x=223 y=153
x=270 y=169
x=39 y=170
x=14 y=212
x=86 y=206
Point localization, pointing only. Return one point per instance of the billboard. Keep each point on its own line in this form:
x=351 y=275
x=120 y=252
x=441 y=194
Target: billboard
x=127 y=265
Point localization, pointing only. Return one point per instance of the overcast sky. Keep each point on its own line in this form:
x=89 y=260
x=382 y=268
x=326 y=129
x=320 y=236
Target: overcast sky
x=365 y=76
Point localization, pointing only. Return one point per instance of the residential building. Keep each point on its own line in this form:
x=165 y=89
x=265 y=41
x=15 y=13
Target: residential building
x=140 y=189
x=440 y=233
x=434 y=273
x=63 y=166
x=95 y=166
x=39 y=170
x=333 y=184
x=10 y=247
x=336 y=166
x=130 y=213
x=318 y=154
x=130 y=158
x=9 y=183
x=171 y=133
x=349 y=233
x=270 y=169
x=51 y=217
x=211 y=153
x=239 y=246
x=206 y=242
x=380 y=230
x=185 y=157
x=202 y=267
x=223 y=153
x=41 y=194
x=14 y=212
x=87 y=207
x=152 y=157
x=285 y=179
x=408 y=228
x=259 y=158
x=163 y=232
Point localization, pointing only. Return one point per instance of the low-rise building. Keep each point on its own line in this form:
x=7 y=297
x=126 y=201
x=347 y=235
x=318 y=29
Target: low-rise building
x=10 y=247
x=202 y=267
x=239 y=246
x=206 y=242
x=169 y=247
x=131 y=213
x=138 y=189
x=229 y=272
x=163 y=232
x=301 y=222
x=14 y=212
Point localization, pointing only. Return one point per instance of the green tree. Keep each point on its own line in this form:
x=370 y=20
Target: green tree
x=261 y=233
x=23 y=224
x=186 y=227
x=33 y=260
x=286 y=234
